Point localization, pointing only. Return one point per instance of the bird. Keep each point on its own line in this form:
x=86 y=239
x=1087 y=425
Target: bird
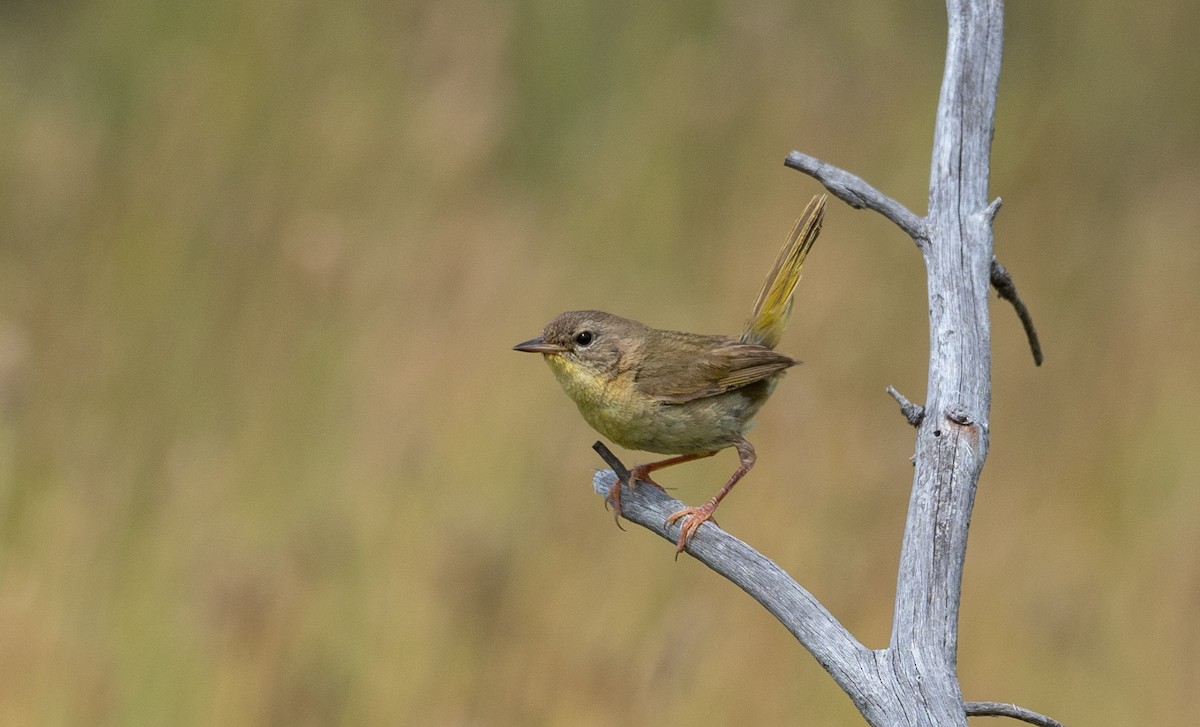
x=688 y=395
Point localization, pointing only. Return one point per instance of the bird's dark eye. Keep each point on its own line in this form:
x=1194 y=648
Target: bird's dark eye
x=583 y=338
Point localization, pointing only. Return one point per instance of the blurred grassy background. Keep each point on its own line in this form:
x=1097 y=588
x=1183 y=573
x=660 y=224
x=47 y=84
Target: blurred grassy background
x=266 y=456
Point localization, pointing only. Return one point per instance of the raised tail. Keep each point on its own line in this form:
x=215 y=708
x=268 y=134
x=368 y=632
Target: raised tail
x=774 y=304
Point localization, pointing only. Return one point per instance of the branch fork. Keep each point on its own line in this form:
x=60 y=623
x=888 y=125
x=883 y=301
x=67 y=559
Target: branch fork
x=852 y=665
x=856 y=192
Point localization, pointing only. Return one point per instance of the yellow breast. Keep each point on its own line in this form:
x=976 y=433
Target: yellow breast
x=615 y=408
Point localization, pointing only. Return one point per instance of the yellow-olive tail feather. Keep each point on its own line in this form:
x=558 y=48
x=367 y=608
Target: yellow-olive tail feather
x=774 y=304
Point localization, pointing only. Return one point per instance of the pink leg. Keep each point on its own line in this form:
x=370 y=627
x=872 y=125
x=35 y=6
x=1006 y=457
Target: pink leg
x=694 y=517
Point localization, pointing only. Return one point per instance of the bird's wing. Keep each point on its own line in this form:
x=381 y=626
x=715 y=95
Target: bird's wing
x=684 y=369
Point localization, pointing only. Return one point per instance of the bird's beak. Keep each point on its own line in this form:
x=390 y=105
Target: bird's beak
x=539 y=345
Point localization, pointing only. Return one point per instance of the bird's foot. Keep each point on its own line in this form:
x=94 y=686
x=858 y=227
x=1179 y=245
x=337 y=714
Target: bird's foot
x=639 y=473
x=693 y=518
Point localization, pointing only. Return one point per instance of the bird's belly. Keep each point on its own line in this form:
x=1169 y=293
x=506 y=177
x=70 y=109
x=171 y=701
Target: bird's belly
x=695 y=427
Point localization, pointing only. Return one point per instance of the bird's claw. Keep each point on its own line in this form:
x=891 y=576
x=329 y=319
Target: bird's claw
x=637 y=474
x=614 y=496
x=693 y=518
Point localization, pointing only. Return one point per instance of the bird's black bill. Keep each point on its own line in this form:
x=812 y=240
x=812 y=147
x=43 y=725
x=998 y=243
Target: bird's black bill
x=539 y=345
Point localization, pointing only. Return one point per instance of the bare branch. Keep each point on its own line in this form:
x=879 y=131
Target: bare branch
x=850 y=663
x=1000 y=709
x=1003 y=283
x=854 y=191
x=912 y=412
x=612 y=461
x=993 y=209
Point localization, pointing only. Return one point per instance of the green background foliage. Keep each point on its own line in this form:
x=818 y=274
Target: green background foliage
x=266 y=456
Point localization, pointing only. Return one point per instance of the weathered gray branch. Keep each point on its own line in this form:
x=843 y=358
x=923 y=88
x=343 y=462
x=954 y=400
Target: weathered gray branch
x=854 y=191
x=914 y=680
x=1007 y=290
x=914 y=413
x=855 y=668
x=850 y=663
x=1000 y=709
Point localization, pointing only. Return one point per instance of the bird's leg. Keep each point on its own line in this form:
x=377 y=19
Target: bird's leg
x=642 y=472
x=694 y=517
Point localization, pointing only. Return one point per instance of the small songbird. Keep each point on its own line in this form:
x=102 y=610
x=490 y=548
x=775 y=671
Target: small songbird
x=683 y=394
